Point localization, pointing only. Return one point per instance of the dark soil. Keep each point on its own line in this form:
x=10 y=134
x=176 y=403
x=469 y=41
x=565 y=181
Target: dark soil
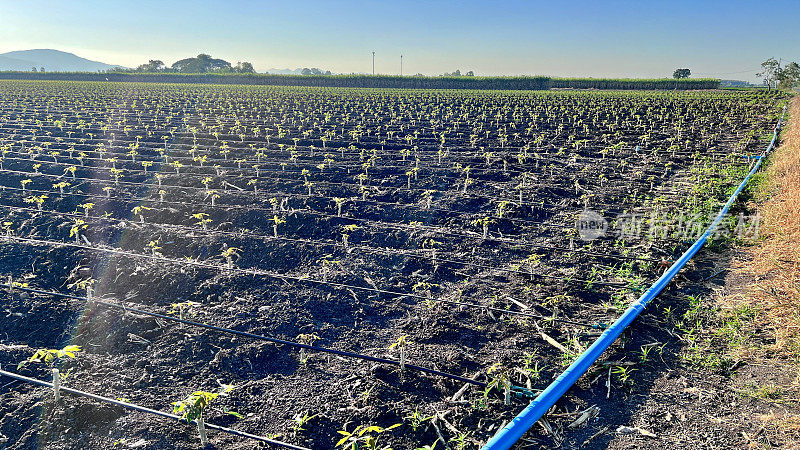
x=153 y=362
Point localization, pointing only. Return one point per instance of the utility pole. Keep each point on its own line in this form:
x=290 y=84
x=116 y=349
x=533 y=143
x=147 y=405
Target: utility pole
x=373 y=63
x=401 y=65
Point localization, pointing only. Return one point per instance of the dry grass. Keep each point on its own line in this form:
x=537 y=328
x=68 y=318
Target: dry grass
x=775 y=260
x=773 y=266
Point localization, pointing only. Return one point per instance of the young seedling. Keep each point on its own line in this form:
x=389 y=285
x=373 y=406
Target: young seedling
x=428 y=196
x=25 y=182
x=193 y=408
x=400 y=344
x=339 y=203
x=50 y=356
x=184 y=309
x=502 y=207
x=139 y=211
x=213 y=195
x=75 y=230
x=462 y=440
x=416 y=420
x=307 y=339
x=60 y=186
x=202 y=220
x=86 y=208
x=38 y=199
x=501 y=380
x=116 y=173
x=300 y=421
x=366 y=434
x=230 y=253
x=484 y=223
x=275 y=222
x=154 y=246
x=206 y=181
x=346 y=230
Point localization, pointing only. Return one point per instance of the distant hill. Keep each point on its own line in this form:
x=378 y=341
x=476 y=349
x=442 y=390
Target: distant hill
x=285 y=71
x=51 y=60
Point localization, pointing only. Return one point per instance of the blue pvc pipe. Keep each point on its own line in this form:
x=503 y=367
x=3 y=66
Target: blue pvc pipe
x=511 y=433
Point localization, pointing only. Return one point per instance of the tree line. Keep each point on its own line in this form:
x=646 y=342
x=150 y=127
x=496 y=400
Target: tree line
x=202 y=63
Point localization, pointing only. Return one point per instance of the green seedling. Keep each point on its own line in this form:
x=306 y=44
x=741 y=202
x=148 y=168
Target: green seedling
x=193 y=408
x=307 y=339
x=368 y=435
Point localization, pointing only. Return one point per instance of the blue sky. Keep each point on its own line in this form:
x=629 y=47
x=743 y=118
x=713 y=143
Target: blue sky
x=577 y=38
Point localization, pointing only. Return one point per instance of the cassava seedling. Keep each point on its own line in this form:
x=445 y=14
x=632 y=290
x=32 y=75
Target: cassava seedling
x=275 y=222
x=139 y=211
x=184 y=309
x=154 y=246
x=501 y=380
x=193 y=408
x=37 y=199
x=339 y=203
x=484 y=223
x=346 y=231
x=400 y=344
x=307 y=339
x=230 y=253
x=368 y=435
x=202 y=219
x=75 y=229
x=61 y=185
x=51 y=356
x=86 y=208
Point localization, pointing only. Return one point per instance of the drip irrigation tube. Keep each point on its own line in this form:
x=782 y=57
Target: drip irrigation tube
x=133 y=407
x=506 y=437
x=256 y=336
x=293 y=278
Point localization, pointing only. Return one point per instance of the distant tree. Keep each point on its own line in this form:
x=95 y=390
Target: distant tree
x=244 y=67
x=681 y=73
x=457 y=73
x=33 y=69
x=470 y=74
x=314 y=71
x=789 y=76
x=770 y=72
x=154 y=65
x=41 y=69
x=201 y=64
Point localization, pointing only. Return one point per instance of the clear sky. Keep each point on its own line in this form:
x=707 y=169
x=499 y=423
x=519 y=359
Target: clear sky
x=725 y=39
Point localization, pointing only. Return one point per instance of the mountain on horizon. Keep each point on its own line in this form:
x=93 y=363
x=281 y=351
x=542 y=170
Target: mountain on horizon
x=51 y=60
x=285 y=71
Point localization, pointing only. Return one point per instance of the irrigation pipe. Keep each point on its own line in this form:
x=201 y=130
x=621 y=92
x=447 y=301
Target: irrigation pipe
x=378 y=223
x=138 y=408
x=506 y=437
x=241 y=233
x=299 y=279
x=253 y=335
